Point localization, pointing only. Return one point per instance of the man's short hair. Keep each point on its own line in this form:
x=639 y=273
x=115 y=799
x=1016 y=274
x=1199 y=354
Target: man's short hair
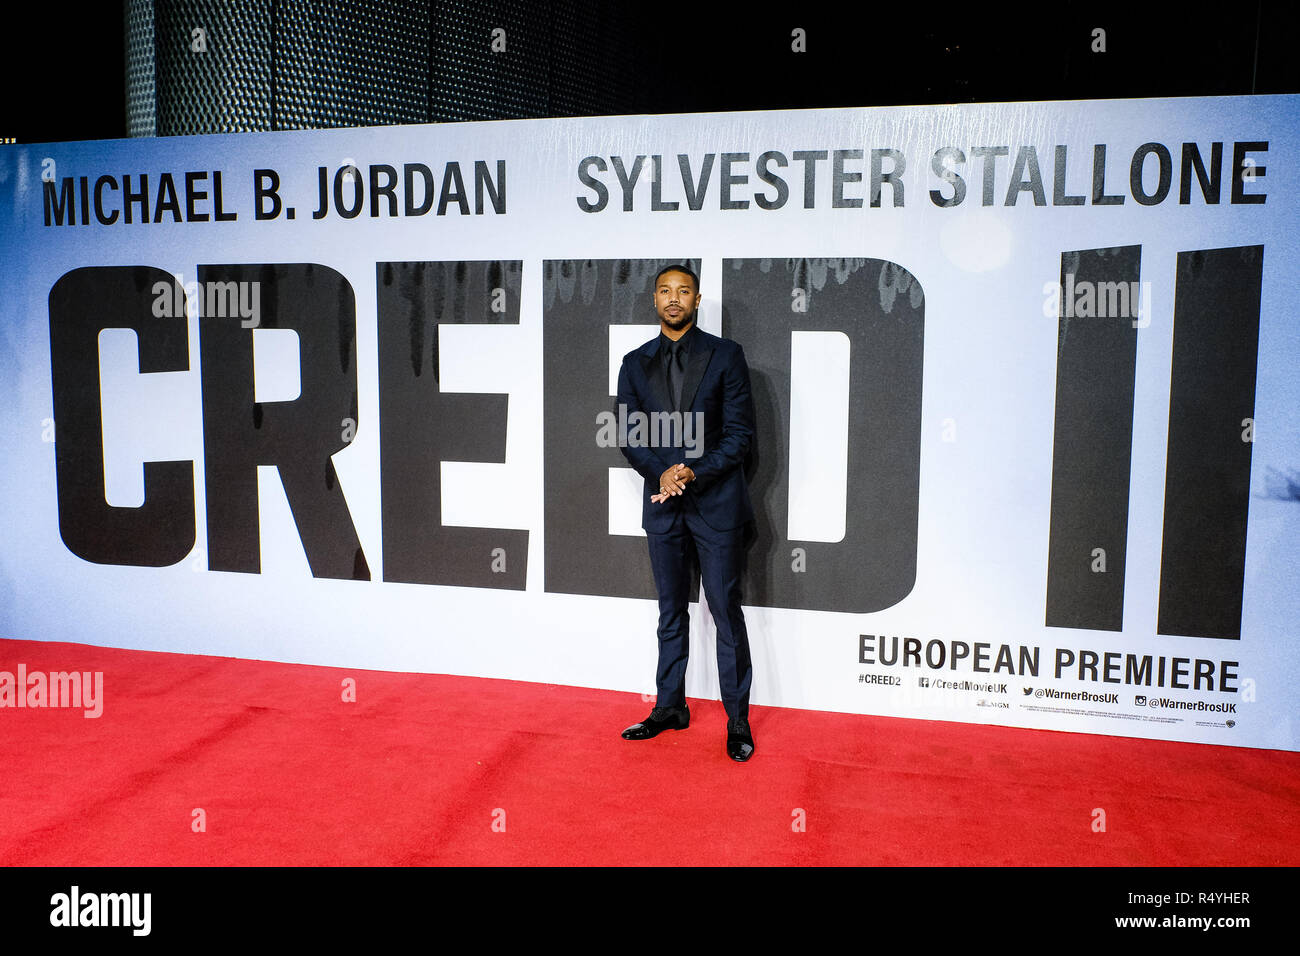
x=687 y=270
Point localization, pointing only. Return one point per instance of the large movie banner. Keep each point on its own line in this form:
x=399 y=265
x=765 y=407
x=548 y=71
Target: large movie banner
x=1026 y=379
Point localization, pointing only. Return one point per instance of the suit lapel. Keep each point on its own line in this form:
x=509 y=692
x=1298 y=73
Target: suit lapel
x=656 y=375
x=699 y=361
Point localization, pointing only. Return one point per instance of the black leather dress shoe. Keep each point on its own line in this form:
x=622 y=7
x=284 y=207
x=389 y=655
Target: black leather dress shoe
x=660 y=719
x=740 y=740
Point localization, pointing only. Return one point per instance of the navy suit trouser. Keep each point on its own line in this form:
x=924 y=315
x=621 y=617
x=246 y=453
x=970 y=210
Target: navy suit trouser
x=720 y=557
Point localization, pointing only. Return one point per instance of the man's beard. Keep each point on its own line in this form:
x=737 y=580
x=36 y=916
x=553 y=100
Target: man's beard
x=683 y=320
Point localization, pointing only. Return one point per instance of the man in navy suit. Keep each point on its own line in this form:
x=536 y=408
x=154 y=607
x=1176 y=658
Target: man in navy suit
x=696 y=508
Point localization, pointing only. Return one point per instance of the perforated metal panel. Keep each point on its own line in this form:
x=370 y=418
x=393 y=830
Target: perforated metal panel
x=213 y=66
x=351 y=64
x=242 y=65
x=596 y=58
x=139 y=68
x=470 y=80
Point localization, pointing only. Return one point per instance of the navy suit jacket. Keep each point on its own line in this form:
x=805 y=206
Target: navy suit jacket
x=716 y=384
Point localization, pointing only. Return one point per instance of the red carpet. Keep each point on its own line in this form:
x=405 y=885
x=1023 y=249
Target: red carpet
x=417 y=770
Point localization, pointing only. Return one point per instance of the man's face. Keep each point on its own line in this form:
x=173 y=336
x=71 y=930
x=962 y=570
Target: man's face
x=676 y=300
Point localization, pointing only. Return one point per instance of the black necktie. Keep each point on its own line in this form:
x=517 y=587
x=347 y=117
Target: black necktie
x=676 y=368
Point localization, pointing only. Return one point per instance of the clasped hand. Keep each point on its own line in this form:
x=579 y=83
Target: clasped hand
x=673 y=482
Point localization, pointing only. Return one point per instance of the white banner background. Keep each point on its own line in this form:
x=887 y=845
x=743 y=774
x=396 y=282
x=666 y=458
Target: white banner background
x=987 y=415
